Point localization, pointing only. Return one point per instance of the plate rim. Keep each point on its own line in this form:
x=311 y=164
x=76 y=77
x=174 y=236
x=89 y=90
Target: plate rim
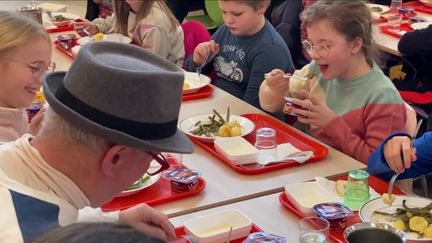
x=196 y=89
x=129 y=40
x=420 y=23
x=208 y=139
x=126 y=193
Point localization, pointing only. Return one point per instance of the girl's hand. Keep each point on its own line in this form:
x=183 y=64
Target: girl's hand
x=89 y=26
x=203 y=51
x=399 y=154
x=36 y=122
x=313 y=112
x=276 y=81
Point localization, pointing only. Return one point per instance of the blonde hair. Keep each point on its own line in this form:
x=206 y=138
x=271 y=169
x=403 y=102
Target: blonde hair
x=255 y=4
x=122 y=9
x=351 y=18
x=17 y=30
x=55 y=126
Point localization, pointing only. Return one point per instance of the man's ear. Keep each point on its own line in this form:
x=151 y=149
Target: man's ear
x=115 y=159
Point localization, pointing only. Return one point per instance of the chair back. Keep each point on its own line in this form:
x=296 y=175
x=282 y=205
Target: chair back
x=214 y=12
x=194 y=33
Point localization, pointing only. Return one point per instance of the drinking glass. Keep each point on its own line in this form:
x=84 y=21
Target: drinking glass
x=313 y=229
x=395 y=17
x=174 y=159
x=265 y=142
x=357 y=189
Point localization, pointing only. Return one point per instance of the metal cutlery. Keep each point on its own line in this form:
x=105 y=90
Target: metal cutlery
x=393 y=178
x=207 y=60
x=229 y=235
x=288 y=75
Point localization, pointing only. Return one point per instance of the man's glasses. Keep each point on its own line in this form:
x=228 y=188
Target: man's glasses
x=162 y=164
x=322 y=50
x=38 y=68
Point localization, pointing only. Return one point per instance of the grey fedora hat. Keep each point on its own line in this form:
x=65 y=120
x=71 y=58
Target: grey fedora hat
x=122 y=93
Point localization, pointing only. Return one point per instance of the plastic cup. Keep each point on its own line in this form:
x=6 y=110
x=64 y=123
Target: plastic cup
x=265 y=142
x=313 y=230
x=357 y=189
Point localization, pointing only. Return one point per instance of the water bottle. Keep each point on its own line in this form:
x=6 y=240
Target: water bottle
x=395 y=17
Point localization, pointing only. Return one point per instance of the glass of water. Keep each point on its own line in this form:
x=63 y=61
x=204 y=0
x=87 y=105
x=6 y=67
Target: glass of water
x=314 y=229
x=265 y=142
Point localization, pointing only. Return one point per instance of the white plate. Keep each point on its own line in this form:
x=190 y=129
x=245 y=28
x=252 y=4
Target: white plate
x=427 y=3
x=421 y=25
x=152 y=180
x=70 y=16
x=195 y=83
x=372 y=205
x=108 y=37
x=377 y=14
x=188 y=125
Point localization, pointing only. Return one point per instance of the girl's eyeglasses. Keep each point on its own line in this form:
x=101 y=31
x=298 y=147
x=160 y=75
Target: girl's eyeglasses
x=322 y=50
x=162 y=164
x=38 y=68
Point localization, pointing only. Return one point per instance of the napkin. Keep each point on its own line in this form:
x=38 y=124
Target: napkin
x=330 y=187
x=282 y=150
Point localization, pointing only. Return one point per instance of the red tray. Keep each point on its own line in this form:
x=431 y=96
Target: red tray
x=399 y=32
x=64 y=28
x=204 y=92
x=67 y=52
x=418 y=6
x=157 y=194
x=284 y=134
x=180 y=231
x=379 y=185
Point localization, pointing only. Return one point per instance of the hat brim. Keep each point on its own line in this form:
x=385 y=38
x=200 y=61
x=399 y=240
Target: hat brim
x=177 y=143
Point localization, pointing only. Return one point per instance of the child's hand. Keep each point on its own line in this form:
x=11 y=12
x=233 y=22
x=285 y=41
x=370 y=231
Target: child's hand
x=87 y=25
x=276 y=80
x=313 y=112
x=399 y=154
x=203 y=51
x=36 y=122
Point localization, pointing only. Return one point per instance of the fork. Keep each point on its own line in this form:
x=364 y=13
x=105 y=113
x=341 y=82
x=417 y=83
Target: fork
x=209 y=57
x=393 y=178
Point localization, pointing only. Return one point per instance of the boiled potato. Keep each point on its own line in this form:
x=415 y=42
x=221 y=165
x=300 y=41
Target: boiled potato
x=233 y=124
x=224 y=131
x=236 y=131
x=428 y=232
x=398 y=224
x=388 y=199
x=418 y=224
x=186 y=86
x=98 y=37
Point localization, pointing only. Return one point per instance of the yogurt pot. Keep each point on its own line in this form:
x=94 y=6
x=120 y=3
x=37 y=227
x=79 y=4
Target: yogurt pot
x=289 y=106
x=34 y=109
x=182 y=179
x=67 y=41
x=335 y=213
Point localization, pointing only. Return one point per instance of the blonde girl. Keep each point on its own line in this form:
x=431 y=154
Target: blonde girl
x=346 y=99
x=149 y=23
x=25 y=56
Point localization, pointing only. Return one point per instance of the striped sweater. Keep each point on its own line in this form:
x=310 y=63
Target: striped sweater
x=368 y=109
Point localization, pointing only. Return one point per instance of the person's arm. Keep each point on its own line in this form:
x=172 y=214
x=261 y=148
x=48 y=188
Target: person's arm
x=104 y=25
x=268 y=58
x=417 y=42
x=377 y=164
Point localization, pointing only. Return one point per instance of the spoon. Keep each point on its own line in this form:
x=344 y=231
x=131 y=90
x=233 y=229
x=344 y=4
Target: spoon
x=209 y=57
x=288 y=75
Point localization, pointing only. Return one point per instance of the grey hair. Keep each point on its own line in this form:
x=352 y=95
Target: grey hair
x=54 y=125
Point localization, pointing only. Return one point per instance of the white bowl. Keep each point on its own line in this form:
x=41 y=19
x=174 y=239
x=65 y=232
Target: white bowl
x=236 y=149
x=420 y=25
x=70 y=16
x=377 y=14
x=188 y=125
x=427 y=2
x=307 y=194
x=195 y=83
x=216 y=227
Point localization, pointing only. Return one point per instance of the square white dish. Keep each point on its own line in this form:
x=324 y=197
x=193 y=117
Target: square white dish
x=307 y=194
x=216 y=227
x=236 y=149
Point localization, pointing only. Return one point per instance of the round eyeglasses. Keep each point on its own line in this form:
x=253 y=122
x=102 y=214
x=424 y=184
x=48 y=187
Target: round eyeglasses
x=162 y=164
x=322 y=50
x=38 y=68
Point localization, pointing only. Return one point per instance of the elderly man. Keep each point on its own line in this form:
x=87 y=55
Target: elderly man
x=109 y=116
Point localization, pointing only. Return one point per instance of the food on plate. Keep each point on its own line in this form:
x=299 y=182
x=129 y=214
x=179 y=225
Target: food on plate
x=98 y=37
x=186 y=86
x=389 y=199
x=412 y=220
x=340 y=187
x=59 y=18
x=376 y=9
x=138 y=183
x=217 y=125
